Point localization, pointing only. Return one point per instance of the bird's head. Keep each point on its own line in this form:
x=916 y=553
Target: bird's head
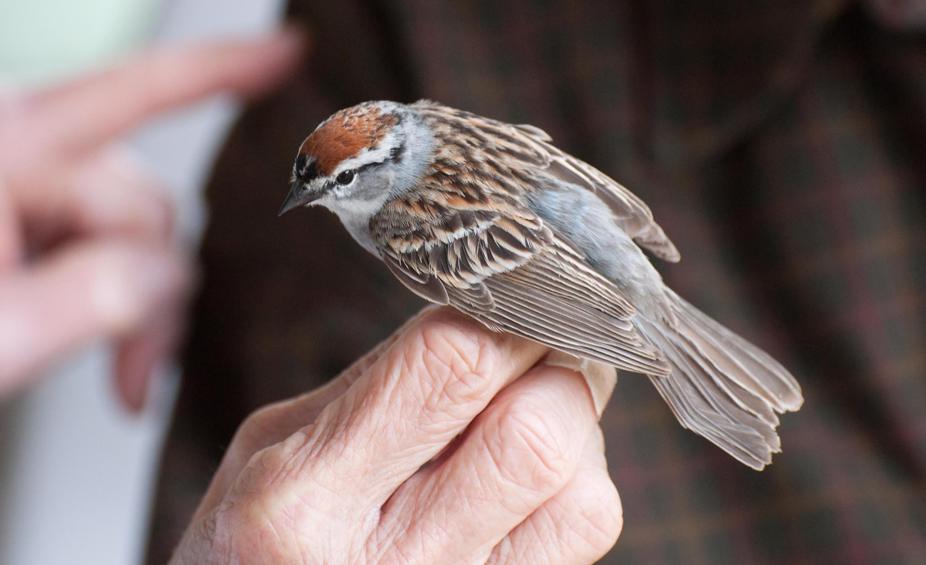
x=359 y=157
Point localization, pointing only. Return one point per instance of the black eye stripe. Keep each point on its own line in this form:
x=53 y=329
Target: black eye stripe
x=305 y=171
x=397 y=153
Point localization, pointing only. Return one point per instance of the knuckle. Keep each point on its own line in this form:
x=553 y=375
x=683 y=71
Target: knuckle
x=255 y=421
x=288 y=459
x=459 y=363
x=253 y=431
x=159 y=212
x=109 y=269
x=269 y=470
x=527 y=448
x=600 y=518
x=269 y=502
x=262 y=470
x=124 y=282
x=254 y=527
x=586 y=517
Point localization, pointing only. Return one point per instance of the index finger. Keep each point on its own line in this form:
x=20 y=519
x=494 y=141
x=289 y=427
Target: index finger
x=87 y=112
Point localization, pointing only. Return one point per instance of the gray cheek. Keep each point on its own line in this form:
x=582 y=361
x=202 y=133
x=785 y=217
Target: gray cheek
x=374 y=187
x=388 y=181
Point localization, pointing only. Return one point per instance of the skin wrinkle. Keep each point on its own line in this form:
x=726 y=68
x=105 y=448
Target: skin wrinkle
x=297 y=485
x=241 y=525
x=542 y=535
x=470 y=361
x=567 y=515
x=598 y=516
x=470 y=368
x=342 y=424
x=275 y=422
x=589 y=533
x=291 y=511
x=426 y=501
x=284 y=493
x=212 y=542
x=261 y=429
x=486 y=486
x=298 y=453
x=465 y=354
x=434 y=529
x=390 y=526
x=518 y=429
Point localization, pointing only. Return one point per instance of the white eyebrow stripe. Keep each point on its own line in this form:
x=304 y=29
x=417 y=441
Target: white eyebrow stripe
x=379 y=154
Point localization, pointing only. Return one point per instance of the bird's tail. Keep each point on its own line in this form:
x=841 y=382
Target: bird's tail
x=721 y=386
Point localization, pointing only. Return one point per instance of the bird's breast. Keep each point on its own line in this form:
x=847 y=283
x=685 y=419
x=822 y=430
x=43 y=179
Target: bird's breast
x=356 y=220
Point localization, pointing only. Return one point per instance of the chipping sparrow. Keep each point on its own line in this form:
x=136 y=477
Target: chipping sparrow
x=494 y=220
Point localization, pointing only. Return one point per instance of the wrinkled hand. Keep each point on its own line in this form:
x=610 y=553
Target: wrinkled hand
x=85 y=235
x=432 y=449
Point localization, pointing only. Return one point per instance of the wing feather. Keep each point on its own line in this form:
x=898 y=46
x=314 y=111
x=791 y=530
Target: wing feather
x=527 y=150
x=510 y=272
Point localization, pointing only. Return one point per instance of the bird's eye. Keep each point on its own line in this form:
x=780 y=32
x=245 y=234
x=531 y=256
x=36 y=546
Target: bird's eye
x=345 y=177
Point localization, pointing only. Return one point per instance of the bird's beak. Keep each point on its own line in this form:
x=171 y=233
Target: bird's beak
x=293 y=200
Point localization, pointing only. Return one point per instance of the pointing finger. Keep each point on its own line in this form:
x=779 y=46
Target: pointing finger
x=88 y=112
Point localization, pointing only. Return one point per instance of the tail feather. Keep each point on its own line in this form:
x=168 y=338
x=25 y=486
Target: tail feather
x=780 y=389
x=721 y=386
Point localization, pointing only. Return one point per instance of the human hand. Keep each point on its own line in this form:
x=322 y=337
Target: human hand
x=86 y=251
x=446 y=444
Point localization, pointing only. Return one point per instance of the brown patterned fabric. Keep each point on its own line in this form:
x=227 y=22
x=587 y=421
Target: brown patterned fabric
x=782 y=144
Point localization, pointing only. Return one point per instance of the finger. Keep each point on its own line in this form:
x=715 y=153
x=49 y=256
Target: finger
x=578 y=525
x=84 y=292
x=10 y=243
x=275 y=422
x=518 y=454
x=90 y=111
x=413 y=401
x=109 y=193
x=140 y=355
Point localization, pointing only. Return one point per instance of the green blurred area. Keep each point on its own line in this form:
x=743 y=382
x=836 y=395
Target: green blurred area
x=43 y=40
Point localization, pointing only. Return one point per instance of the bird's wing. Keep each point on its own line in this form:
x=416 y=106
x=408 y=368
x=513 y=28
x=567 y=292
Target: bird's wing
x=531 y=149
x=501 y=265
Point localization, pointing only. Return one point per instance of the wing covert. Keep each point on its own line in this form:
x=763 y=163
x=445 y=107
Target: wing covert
x=528 y=151
x=505 y=268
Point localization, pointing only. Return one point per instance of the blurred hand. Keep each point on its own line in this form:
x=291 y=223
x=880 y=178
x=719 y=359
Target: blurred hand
x=85 y=235
x=432 y=449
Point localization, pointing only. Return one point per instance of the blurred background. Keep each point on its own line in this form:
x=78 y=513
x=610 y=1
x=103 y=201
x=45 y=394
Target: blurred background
x=76 y=471
x=781 y=144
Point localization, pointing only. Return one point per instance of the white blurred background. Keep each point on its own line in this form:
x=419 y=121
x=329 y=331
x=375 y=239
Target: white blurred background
x=76 y=472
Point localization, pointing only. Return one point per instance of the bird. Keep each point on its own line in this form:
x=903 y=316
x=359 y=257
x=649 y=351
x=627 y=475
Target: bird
x=494 y=220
